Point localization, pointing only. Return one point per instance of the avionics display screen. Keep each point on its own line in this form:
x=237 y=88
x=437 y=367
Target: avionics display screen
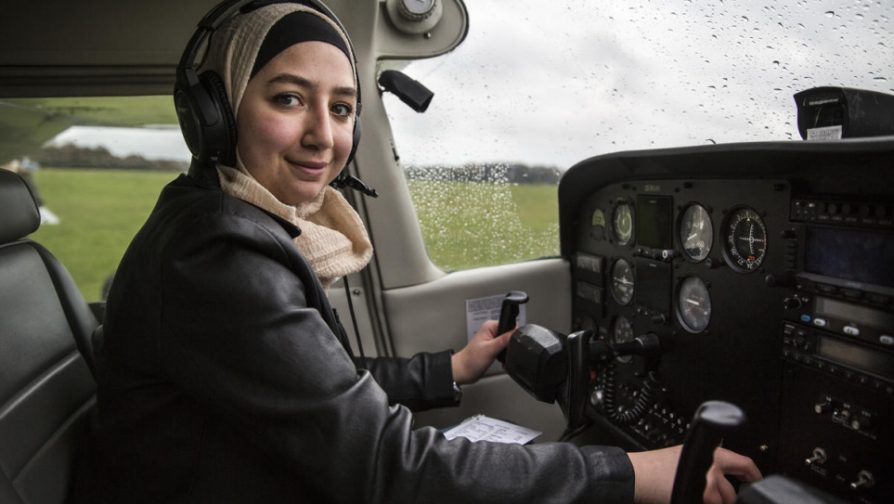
x=654 y=221
x=872 y=361
x=867 y=317
x=653 y=285
x=850 y=254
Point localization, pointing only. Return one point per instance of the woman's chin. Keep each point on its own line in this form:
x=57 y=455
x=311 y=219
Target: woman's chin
x=305 y=194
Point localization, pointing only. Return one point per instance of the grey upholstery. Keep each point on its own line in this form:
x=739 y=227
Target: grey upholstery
x=46 y=385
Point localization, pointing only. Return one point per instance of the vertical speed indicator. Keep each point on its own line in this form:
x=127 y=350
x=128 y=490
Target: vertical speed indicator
x=745 y=240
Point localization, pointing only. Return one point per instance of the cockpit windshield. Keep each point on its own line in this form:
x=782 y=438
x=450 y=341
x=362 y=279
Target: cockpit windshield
x=537 y=87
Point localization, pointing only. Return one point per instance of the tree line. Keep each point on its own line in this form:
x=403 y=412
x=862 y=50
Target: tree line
x=510 y=173
x=73 y=156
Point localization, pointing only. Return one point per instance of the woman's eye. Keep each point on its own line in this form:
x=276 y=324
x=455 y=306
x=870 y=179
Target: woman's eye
x=287 y=100
x=342 y=110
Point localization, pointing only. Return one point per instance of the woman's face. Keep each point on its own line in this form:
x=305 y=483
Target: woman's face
x=295 y=122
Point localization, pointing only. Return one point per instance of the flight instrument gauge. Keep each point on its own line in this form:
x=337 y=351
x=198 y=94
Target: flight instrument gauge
x=622 y=282
x=622 y=223
x=745 y=240
x=694 y=305
x=696 y=232
x=622 y=332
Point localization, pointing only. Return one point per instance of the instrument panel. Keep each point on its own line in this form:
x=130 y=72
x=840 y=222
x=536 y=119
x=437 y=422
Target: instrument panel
x=767 y=273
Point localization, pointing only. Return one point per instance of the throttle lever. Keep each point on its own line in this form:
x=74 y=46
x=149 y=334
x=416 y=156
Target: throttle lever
x=711 y=422
x=509 y=314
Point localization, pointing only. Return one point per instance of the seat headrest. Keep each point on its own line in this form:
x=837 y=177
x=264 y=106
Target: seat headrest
x=19 y=215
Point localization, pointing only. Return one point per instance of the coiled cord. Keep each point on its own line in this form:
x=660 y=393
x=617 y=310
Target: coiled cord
x=640 y=405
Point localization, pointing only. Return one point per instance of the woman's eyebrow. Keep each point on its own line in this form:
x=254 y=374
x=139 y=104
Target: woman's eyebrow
x=297 y=80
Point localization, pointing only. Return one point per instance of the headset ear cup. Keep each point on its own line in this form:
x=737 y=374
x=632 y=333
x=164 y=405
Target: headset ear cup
x=188 y=112
x=220 y=136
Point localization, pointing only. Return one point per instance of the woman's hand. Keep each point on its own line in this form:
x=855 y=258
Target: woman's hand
x=718 y=489
x=473 y=360
x=654 y=475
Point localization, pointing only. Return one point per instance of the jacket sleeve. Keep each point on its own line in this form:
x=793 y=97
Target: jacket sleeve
x=421 y=382
x=239 y=337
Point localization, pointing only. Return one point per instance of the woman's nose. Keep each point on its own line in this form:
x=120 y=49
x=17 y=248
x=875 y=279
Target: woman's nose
x=317 y=129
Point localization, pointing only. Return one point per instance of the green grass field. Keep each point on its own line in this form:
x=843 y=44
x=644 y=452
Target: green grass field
x=100 y=211
x=464 y=224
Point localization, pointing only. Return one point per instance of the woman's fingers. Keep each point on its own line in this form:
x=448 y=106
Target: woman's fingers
x=737 y=465
x=718 y=490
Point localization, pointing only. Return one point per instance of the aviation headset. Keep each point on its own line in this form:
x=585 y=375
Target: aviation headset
x=203 y=109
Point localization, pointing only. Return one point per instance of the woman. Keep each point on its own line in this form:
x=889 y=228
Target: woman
x=224 y=375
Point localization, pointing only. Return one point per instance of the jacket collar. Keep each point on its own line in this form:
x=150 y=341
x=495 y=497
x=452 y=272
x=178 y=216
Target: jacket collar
x=204 y=175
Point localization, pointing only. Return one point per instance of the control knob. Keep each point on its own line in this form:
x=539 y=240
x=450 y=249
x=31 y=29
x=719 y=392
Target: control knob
x=792 y=303
x=844 y=415
x=418 y=10
x=860 y=422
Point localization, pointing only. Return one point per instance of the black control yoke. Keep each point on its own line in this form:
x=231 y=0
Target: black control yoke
x=509 y=314
x=711 y=422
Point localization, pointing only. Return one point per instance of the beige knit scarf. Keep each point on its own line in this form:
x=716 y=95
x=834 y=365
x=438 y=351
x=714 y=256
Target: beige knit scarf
x=332 y=239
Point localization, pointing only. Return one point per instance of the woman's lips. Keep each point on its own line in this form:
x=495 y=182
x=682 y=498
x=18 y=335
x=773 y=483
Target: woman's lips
x=309 y=166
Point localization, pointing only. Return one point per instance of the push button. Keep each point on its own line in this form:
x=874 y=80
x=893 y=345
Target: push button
x=886 y=340
x=851 y=330
x=819 y=322
x=805 y=318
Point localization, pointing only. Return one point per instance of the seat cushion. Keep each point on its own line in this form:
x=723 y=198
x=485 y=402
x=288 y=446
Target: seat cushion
x=46 y=387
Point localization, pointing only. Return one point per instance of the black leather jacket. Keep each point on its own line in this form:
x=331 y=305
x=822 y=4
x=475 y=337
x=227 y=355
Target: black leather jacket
x=223 y=378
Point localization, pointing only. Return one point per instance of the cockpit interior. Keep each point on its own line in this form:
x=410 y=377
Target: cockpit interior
x=756 y=272
x=765 y=273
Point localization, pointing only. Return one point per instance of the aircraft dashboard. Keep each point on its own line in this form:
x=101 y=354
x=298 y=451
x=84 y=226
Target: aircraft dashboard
x=766 y=271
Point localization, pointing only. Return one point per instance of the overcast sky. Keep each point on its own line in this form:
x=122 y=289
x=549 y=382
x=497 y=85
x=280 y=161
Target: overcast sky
x=556 y=82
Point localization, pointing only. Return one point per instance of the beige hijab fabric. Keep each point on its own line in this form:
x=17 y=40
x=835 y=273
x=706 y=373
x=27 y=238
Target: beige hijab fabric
x=333 y=238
